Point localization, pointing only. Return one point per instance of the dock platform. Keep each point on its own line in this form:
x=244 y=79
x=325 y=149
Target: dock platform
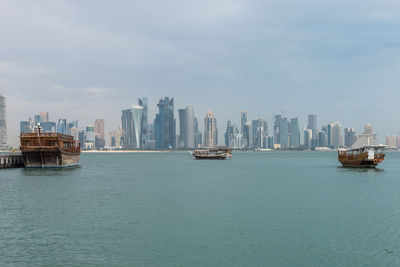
x=11 y=160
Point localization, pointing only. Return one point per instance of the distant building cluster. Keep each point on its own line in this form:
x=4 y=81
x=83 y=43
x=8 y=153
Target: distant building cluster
x=138 y=132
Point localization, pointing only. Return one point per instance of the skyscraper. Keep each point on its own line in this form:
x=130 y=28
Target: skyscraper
x=229 y=135
x=189 y=125
x=294 y=132
x=99 y=128
x=312 y=125
x=277 y=120
x=132 y=120
x=335 y=134
x=3 y=123
x=210 y=130
x=90 y=137
x=243 y=120
x=145 y=125
x=62 y=126
x=165 y=124
x=284 y=133
x=307 y=138
x=181 y=114
x=259 y=132
x=350 y=137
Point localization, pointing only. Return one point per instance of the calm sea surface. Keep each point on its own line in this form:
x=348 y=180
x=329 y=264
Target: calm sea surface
x=166 y=209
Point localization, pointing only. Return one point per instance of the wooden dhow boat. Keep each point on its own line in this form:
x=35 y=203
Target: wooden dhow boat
x=362 y=157
x=213 y=153
x=49 y=150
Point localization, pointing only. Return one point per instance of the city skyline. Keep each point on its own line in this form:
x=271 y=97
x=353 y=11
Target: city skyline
x=223 y=56
x=137 y=133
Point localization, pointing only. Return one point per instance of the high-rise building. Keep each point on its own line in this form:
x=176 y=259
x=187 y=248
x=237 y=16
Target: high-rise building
x=322 y=138
x=335 y=134
x=350 y=137
x=294 y=132
x=3 y=123
x=307 y=138
x=71 y=125
x=132 y=120
x=277 y=120
x=61 y=126
x=82 y=138
x=210 y=130
x=284 y=133
x=243 y=120
x=145 y=125
x=312 y=125
x=368 y=129
x=189 y=127
x=90 y=137
x=367 y=138
x=99 y=128
x=391 y=141
x=229 y=135
x=259 y=132
x=248 y=135
x=165 y=124
x=24 y=127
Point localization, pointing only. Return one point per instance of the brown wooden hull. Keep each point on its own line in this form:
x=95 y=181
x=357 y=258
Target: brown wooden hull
x=49 y=158
x=358 y=163
x=209 y=157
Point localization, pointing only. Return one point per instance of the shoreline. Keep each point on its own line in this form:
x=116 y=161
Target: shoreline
x=126 y=151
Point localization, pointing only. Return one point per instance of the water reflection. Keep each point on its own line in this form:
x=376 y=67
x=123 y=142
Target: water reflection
x=50 y=171
x=355 y=169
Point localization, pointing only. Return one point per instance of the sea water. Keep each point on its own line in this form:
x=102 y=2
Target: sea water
x=167 y=209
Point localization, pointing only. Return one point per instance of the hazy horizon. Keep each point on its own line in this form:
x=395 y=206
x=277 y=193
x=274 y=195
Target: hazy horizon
x=89 y=60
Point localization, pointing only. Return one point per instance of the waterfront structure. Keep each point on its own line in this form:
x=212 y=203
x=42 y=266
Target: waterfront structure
x=350 y=137
x=164 y=124
x=3 y=123
x=391 y=141
x=45 y=150
x=210 y=130
x=145 y=125
x=294 y=133
x=312 y=125
x=243 y=120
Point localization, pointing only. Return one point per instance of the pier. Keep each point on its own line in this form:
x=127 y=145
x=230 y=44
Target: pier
x=11 y=160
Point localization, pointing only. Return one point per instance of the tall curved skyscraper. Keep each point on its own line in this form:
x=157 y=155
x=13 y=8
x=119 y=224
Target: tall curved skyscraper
x=137 y=112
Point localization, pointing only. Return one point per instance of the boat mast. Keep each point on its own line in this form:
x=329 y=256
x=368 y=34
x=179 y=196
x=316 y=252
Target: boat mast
x=40 y=146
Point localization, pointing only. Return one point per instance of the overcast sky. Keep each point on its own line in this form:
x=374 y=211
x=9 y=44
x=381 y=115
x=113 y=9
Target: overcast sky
x=91 y=59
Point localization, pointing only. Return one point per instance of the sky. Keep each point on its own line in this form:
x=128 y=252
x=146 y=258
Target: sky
x=91 y=59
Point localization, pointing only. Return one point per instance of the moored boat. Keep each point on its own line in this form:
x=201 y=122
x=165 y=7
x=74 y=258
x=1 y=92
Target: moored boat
x=213 y=153
x=49 y=150
x=362 y=157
